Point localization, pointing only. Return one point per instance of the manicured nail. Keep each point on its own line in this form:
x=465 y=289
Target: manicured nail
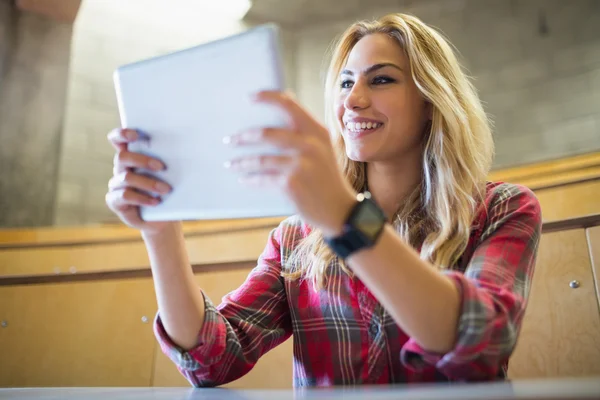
x=156 y=165
x=252 y=135
x=131 y=134
x=227 y=164
x=227 y=140
x=162 y=187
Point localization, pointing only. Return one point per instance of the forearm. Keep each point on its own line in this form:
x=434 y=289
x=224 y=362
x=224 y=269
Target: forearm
x=180 y=301
x=423 y=302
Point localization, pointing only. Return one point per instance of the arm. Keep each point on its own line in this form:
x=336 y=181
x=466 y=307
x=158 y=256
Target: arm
x=174 y=283
x=180 y=303
x=231 y=338
x=464 y=324
x=209 y=347
x=422 y=301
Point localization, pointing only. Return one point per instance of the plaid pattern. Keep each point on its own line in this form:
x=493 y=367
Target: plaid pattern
x=343 y=336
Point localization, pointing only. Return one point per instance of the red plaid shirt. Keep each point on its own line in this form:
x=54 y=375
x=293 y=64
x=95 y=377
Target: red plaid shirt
x=343 y=336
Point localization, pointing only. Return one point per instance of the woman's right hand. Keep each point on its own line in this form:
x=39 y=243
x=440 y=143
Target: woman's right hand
x=126 y=188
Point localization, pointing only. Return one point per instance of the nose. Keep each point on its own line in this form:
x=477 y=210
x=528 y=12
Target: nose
x=357 y=98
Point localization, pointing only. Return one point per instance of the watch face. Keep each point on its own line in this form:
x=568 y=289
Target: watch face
x=369 y=219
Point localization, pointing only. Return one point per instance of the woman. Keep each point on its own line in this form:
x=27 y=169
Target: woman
x=427 y=280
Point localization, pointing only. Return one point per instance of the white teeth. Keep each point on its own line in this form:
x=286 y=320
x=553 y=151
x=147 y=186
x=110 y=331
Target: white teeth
x=358 y=126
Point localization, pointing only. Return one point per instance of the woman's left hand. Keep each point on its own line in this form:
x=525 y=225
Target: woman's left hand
x=306 y=170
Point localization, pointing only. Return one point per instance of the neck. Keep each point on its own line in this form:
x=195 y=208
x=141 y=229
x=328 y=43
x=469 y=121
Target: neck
x=390 y=183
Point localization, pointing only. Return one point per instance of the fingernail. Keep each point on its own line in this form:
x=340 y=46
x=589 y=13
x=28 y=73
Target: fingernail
x=251 y=135
x=130 y=134
x=156 y=165
x=227 y=164
x=155 y=201
x=162 y=187
x=227 y=140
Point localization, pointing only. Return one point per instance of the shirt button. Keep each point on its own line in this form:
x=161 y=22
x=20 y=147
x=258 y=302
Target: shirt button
x=374 y=329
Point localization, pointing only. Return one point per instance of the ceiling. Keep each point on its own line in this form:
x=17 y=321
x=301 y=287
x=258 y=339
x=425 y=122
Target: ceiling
x=298 y=13
x=288 y=13
x=61 y=10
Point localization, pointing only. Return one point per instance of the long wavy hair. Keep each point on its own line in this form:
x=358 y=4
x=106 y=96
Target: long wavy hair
x=457 y=147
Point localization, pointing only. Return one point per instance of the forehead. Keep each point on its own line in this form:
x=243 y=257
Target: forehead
x=374 y=49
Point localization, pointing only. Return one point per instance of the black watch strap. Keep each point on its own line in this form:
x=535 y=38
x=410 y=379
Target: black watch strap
x=361 y=229
x=345 y=244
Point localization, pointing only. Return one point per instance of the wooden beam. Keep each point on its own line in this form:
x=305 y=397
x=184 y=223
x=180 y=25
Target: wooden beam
x=552 y=173
x=59 y=10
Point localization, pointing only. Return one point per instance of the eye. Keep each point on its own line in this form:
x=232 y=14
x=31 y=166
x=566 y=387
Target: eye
x=382 y=80
x=346 y=84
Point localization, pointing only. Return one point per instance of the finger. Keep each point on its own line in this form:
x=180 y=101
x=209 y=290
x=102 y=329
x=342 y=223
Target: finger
x=119 y=199
x=120 y=146
x=300 y=118
x=284 y=139
x=127 y=159
x=263 y=164
x=129 y=179
x=121 y=136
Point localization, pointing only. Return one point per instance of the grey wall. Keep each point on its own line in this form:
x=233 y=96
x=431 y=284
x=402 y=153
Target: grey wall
x=540 y=86
x=106 y=35
x=34 y=63
x=91 y=112
x=542 y=89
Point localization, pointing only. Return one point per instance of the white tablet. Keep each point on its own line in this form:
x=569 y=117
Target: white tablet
x=185 y=103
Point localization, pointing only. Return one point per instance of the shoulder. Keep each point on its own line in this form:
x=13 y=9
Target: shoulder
x=502 y=191
x=290 y=232
x=285 y=238
x=510 y=196
x=510 y=203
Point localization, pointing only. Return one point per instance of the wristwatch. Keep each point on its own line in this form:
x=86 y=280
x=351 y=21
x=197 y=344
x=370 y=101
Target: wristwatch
x=362 y=227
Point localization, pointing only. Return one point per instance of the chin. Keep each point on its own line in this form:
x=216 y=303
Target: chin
x=359 y=155
x=366 y=148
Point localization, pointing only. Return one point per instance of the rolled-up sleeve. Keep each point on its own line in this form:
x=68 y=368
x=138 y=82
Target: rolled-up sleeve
x=250 y=321
x=494 y=289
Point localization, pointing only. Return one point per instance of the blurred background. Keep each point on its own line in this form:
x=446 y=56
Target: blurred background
x=536 y=64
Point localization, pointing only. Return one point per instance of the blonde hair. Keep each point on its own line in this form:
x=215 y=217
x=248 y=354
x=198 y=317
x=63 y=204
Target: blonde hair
x=457 y=150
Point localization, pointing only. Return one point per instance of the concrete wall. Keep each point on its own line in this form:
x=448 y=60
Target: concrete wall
x=34 y=63
x=107 y=34
x=541 y=88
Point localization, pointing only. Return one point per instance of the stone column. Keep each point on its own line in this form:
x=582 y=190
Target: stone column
x=34 y=65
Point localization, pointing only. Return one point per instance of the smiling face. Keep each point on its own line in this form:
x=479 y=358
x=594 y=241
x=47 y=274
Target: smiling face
x=380 y=110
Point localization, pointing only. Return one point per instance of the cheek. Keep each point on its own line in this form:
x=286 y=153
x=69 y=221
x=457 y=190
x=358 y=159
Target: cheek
x=338 y=106
x=401 y=112
x=339 y=110
x=392 y=105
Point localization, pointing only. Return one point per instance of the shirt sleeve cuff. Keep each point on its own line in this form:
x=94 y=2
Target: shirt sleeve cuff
x=210 y=345
x=417 y=359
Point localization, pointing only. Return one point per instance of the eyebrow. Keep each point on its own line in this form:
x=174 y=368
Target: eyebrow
x=372 y=68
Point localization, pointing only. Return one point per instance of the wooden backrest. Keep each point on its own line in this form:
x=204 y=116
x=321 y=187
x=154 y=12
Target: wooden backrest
x=560 y=335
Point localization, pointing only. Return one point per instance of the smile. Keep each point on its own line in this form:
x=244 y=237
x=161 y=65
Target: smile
x=362 y=126
x=356 y=130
